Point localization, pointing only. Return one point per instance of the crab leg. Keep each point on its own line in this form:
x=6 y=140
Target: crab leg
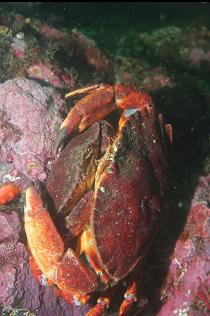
x=130 y=299
x=82 y=90
x=69 y=273
x=101 y=306
x=8 y=192
x=87 y=246
x=103 y=303
x=79 y=216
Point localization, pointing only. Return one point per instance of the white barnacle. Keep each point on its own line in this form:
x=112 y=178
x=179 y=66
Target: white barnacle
x=77 y=301
x=177 y=262
x=188 y=293
x=111 y=157
x=103 y=190
x=115 y=148
x=43 y=280
x=20 y=35
x=10 y=178
x=130 y=296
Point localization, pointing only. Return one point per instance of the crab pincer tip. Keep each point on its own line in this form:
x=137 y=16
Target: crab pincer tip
x=61 y=139
x=30 y=184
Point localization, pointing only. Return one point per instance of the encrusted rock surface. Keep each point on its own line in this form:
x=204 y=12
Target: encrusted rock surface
x=17 y=284
x=30 y=115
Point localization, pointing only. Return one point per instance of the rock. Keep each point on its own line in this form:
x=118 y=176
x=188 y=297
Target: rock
x=30 y=116
x=52 y=75
x=49 y=32
x=18 y=46
x=185 y=289
x=40 y=299
x=179 y=261
x=86 y=49
x=13 y=255
x=197 y=55
x=140 y=73
x=187 y=283
x=17 y=283
x=76 y=43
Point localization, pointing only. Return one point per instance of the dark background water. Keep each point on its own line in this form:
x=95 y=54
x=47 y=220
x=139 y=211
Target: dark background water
x=82 y=13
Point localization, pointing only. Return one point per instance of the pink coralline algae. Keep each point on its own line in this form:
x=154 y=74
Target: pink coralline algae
x=53 y=33
x=186 y=288
x=156 y=79
x=17 y=283
x=88 y=50
x=18 y=46
x=198 y=55
x=52 y=75
x=139 y=73
x=30 y=116
x=12 y=256
x=78 y=44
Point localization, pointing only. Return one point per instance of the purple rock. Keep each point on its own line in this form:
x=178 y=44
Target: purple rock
x=184 y=290
x=17 y=284
x=30 y=115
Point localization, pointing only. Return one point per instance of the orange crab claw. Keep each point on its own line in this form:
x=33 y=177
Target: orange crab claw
x=44 y=241
x=93 y=107
x=66 y=270
x=8 y=192
x=100 y=101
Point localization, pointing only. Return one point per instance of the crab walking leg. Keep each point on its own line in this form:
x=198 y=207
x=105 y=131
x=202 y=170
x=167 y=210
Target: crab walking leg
x=103 y=302
x=82 y=90
x=79 y=216
x=130 y=299
x=47 y=247
x=100 y=307
x=8 y=192
x=86 y=245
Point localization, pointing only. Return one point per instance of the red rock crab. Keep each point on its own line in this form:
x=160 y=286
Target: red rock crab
x=110 y=190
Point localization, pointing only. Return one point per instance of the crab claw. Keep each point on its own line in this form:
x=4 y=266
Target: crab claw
x=65 y=269
x=93 y=107
x=44 y=241
x=100 y=101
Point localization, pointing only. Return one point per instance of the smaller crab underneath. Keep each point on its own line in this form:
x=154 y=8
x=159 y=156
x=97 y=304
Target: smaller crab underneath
x=109 y=190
